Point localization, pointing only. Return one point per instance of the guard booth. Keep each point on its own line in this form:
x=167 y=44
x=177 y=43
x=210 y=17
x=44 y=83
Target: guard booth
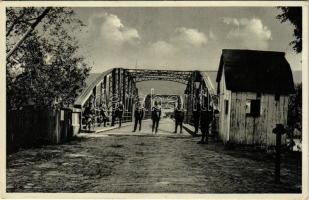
x=253 y=90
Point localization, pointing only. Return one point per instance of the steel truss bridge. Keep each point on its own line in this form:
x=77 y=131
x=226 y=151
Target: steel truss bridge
x=167 y=75
x=119 y=84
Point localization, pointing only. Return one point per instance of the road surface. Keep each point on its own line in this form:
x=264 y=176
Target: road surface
x=121 y=161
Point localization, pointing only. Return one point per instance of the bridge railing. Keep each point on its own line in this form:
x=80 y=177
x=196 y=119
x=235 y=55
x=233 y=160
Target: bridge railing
x=109 y=89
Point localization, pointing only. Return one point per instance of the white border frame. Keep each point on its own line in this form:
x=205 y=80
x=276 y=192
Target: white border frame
x=305 y=149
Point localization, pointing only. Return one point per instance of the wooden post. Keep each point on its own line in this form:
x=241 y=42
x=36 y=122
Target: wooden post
x=279 y=130
x=278 y=158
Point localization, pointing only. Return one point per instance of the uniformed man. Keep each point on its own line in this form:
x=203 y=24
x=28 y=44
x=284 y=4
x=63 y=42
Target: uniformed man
x=155 y=116
x=179 y=117
x=206 y=118
x=119 y=112
x=138 y=115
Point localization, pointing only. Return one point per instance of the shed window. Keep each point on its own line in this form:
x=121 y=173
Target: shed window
x=277 y=97
x=226 y=106
x=253 y=107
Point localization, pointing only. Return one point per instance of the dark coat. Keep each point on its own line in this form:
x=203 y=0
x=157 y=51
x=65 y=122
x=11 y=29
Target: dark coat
x=206 y=118
x=119 y=111
x=156 y=113
x=88 y=111
x=139 y=113
x=196 y=111
x=103 y=113
x=179 y=115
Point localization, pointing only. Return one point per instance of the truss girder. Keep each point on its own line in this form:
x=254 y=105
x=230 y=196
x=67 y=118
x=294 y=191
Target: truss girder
x=168 y=75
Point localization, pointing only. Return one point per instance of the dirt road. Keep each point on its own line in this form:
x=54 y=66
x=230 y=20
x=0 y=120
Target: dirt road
x=122 y=161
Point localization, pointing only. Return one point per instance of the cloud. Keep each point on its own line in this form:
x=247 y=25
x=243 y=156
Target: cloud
x=250 y=33
x=114 y=43
x=182 y=39
x=182 y=47
x=112 y=31
x=162 y=47
x=212 y=36
x=188 y=37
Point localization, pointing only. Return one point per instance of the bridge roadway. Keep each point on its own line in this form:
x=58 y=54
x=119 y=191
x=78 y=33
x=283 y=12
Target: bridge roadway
x=122 y=161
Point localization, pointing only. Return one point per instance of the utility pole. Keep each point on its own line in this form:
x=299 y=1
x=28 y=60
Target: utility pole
x=30 y=29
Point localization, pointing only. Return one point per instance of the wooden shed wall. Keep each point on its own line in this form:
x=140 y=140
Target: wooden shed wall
x=246 y=129
x=224 y=119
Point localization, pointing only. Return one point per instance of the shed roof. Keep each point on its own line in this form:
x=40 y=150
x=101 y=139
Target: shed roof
x=256 y=71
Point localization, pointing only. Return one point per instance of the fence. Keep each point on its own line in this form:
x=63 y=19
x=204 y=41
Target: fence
x=30 y=127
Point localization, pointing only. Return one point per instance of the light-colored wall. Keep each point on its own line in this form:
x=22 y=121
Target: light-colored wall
x=224 y=119
x=246 y=129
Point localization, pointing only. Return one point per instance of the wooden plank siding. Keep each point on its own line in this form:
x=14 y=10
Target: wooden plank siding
x=228 y=115
x=246 y=129
x=234 y=112
x=242 y=118
x=224 y=120
x=246 y=76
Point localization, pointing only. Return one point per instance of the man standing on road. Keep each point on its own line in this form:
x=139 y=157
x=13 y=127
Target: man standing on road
x=89 y=113
x=118 y=114
x=155 y=116
x=206 y=119
x=179 y=116
x=138 y=115
x=196 y=118
x=103 y=115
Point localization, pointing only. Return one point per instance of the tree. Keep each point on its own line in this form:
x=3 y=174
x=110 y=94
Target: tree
x=294 y=15
x=46 y=68
x=295 y=110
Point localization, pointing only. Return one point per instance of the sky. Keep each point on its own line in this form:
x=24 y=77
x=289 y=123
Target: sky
x=188 y=38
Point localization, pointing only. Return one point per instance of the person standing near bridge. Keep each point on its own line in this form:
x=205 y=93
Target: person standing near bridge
x=179 y=116
x=103 y=115
x=206 y=118
x=196 y=118
x=89 y=114
x=118 y=114
x=155 y=116
x=138 y=115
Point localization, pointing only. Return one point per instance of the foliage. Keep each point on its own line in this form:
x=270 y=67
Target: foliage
x=294 y=15
x=295 y=109
x=46 y=66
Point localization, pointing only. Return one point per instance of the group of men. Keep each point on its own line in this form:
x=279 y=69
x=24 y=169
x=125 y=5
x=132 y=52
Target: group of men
x=201 y=117
x=102 y=114
x=155 y=116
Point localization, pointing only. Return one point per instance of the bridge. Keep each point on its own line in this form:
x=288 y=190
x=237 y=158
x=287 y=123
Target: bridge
x=120 y=85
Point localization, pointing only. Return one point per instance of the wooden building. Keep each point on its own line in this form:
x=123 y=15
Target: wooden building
x=253 y=89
